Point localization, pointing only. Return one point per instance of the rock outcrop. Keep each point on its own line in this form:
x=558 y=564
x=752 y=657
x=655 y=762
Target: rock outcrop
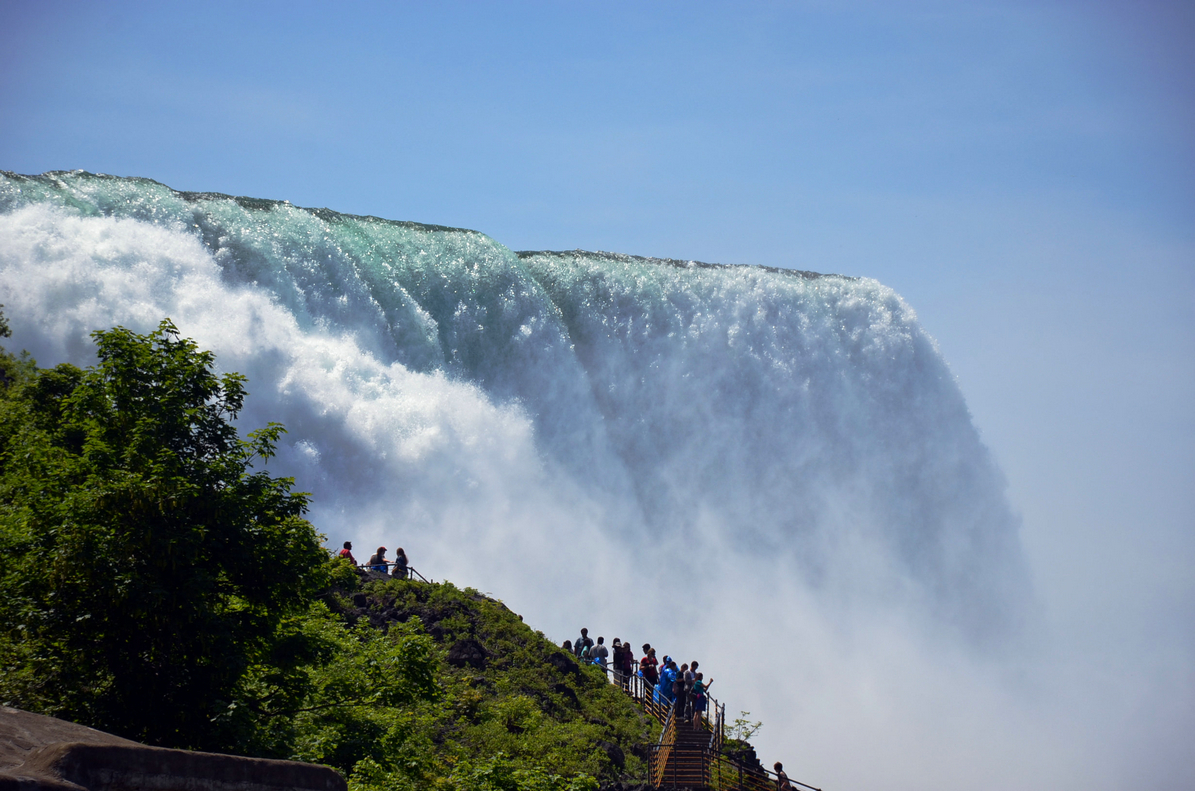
x=46 y=754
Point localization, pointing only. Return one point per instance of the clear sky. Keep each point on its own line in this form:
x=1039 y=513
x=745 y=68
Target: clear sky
x=1023 y=173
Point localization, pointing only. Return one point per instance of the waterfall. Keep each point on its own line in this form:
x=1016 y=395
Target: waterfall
x=589 y=418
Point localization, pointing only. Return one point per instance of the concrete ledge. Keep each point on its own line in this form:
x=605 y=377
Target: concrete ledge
x=101 y=762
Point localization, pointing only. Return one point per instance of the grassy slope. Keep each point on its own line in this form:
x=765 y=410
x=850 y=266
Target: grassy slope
x=507 y=689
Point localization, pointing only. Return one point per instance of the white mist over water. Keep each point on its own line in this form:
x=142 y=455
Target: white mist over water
x=770 y=471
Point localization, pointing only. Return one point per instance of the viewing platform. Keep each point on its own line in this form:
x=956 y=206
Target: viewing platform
x=689 y=756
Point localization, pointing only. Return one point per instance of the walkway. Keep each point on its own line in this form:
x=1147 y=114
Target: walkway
x=691 y=757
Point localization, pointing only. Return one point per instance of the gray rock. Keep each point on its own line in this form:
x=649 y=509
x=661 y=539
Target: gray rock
x=46 y=754
x=564 y=663
x=468 y=652
x=614 y=753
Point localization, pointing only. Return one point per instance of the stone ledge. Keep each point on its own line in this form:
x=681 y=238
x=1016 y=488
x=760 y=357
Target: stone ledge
x=45 y=754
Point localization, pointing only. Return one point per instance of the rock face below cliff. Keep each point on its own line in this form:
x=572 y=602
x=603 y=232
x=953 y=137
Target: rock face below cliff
x=45 y=754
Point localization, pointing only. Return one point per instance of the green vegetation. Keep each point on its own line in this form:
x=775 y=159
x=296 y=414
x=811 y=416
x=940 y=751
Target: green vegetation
x=146 y=565
x=157 y=585
x=513 y=709
x=742 y=728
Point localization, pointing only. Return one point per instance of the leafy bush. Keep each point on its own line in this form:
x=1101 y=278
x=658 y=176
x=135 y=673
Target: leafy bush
x=742 y=728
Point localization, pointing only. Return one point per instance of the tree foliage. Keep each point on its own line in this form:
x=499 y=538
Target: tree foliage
x=148 y=565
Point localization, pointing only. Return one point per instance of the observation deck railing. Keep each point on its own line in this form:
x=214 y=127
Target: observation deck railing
x=706 y=766
x=412 y=572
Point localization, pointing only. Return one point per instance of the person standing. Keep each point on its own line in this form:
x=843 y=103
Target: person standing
x=627 y=668
x=649 y=669
x=400 y=565
x=582 y=643
x=782 y=783
x=599 y=654
x=690 y=676
x=697 y=698
x=680 y=696
x=665 y=687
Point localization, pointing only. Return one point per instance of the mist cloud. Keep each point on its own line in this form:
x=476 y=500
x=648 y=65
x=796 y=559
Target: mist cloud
x=771 y=473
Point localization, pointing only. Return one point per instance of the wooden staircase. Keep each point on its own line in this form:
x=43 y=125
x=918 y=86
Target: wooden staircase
x=685 y=762
x=688 y=758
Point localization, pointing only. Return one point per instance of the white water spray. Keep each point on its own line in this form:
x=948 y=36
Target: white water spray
x=681 y=451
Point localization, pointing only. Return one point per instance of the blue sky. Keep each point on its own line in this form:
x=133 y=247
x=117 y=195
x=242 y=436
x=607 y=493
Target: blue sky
x=1023 y=173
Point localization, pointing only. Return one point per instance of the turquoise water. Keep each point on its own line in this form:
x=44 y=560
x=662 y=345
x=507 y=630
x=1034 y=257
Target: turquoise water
x=544 y=402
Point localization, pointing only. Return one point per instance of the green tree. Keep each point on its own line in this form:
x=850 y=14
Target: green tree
x=148 y=565
x=154 y=584
x=742 y=729
x=354 y=696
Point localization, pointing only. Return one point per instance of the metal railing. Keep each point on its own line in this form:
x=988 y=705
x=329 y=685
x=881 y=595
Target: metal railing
x=718 y=772
x=660 y=706
x=718 y=731
x=727 y=774
x=665 y=757
x=411 y=574
x=662 y=751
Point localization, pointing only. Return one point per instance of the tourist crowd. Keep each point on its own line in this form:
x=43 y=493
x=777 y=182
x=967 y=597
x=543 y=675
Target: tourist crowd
x=683 y=688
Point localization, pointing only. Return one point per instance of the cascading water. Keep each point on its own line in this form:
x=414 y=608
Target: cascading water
x=584 y=419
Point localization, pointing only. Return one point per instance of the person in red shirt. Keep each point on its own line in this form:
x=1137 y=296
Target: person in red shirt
x=648 y=667
x=347 y=552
